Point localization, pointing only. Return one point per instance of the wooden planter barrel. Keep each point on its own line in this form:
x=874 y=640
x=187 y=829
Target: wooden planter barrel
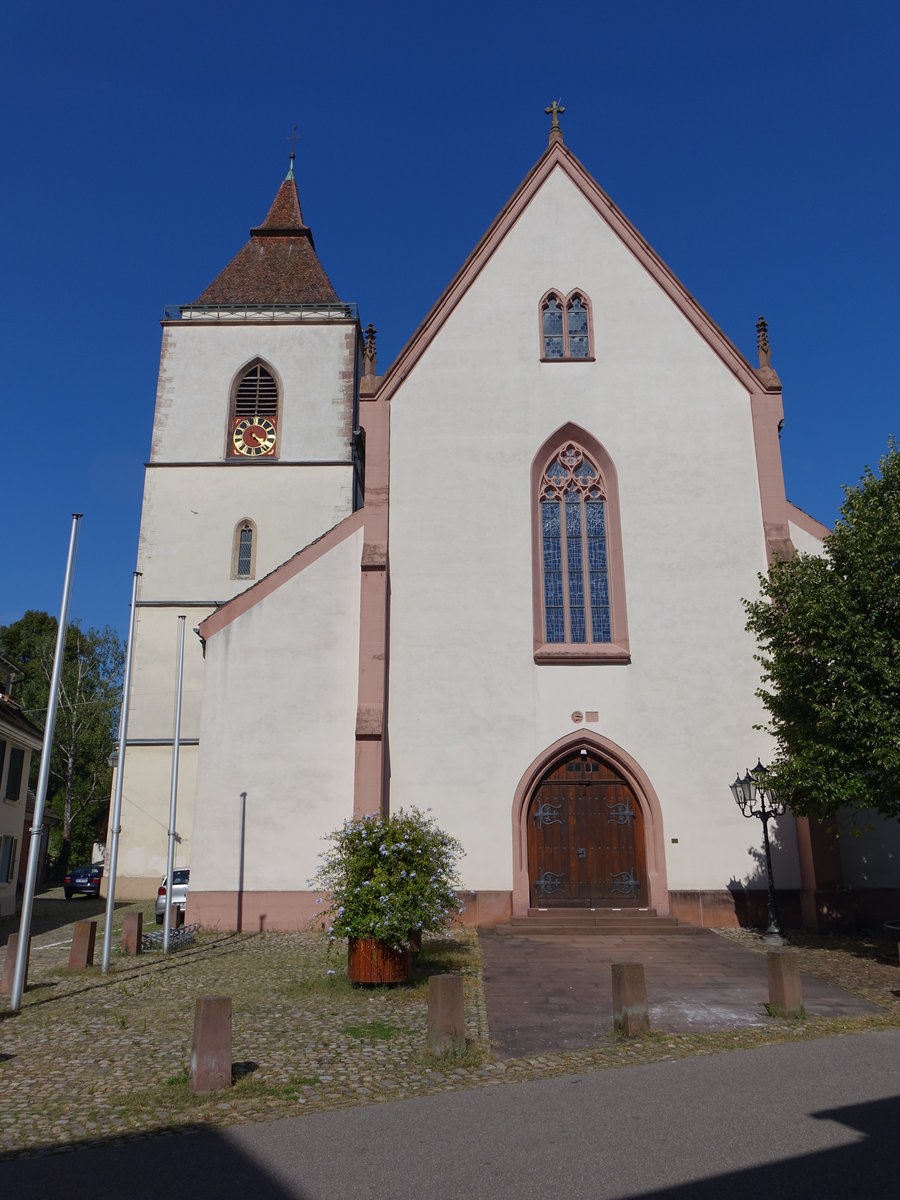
x=370 y=960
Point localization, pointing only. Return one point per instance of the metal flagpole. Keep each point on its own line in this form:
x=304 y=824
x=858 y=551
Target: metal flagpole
x=115 y=823
x=37 y=825
x=170 y=860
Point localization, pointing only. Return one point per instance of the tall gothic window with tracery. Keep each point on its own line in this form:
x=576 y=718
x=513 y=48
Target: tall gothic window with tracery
x=575 y=568
x=565 y=327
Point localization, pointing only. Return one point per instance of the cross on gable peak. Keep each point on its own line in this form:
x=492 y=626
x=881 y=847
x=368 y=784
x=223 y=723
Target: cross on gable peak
x=553 y=110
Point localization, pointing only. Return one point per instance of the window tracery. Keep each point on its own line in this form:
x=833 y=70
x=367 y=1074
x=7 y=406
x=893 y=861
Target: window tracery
x=566 y=332
x=574 y=556
x=579 y=580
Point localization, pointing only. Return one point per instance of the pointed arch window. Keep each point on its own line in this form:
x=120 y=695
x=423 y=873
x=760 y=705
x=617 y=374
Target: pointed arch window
x=566 y=328
x=253 y=423
x=243 y=551
x=579 y=586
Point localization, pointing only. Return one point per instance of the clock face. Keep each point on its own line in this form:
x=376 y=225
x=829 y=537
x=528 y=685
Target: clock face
x=253 y=436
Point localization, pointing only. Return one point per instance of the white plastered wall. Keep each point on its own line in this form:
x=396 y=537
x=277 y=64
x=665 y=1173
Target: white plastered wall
x=469 y=708
x=194 y=498
x=282 y=683
x=806 y=543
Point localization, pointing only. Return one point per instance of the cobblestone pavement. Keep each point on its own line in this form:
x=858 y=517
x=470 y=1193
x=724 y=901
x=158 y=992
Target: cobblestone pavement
x=91 y=1057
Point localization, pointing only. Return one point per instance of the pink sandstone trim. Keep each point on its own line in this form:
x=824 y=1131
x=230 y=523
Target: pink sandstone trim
x=807 y=523
x=283 y=912
x=370 y=780
x=270 y=583
x=258 y=911
x=618 y=650
x=644 y=793
x=767 y=413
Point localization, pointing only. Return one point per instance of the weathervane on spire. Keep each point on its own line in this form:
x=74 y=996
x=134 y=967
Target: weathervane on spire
x=554 y=110
x=294 y=137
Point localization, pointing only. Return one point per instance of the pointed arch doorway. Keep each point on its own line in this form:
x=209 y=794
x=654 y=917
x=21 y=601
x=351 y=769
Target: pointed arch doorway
x=585 y=838
x=589 y=837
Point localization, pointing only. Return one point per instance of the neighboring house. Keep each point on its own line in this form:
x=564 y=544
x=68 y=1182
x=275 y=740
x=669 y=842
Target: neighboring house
x=502 y=581
x=19 y=739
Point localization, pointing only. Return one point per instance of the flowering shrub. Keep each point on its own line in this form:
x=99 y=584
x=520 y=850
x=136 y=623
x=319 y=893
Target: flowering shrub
x=388 y=878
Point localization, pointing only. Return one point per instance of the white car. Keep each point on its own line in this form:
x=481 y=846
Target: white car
x=181 y=878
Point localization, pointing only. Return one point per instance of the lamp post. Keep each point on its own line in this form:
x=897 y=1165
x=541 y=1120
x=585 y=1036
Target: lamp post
x=756 y=797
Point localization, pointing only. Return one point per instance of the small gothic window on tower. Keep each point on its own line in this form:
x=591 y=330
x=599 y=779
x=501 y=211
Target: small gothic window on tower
x=566 y=327
x=243 y=557
x=254 y=414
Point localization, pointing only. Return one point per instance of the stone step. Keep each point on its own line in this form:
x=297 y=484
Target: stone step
x=589 y=914
x=559 y=921
x=602 y=929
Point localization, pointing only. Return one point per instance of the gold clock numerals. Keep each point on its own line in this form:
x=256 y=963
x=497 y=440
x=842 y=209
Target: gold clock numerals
x=253 y=436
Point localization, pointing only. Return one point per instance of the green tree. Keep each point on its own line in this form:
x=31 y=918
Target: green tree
x=828 y=630
x=89 y=696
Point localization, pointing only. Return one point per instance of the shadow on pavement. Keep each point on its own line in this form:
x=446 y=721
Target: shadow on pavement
x=52 y=911
x=190 y=1160
x=201 y=1162
x=869 y=1167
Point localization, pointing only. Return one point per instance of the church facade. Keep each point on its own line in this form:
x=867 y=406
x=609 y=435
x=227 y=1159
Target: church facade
x=501 y=581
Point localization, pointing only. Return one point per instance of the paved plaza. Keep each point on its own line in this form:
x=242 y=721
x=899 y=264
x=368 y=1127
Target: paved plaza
x=552 y=994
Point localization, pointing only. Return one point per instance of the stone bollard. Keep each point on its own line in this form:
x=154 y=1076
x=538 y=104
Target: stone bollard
x=446 y=1030
x=631 y=1017
x=211 y=1049
x=9 y=966
x=82 y=953
x=785 y=989
x=133 y=933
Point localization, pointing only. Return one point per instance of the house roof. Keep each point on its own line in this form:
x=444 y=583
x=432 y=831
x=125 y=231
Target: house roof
x=557 y=156
x=13 y=720
x=279 y=264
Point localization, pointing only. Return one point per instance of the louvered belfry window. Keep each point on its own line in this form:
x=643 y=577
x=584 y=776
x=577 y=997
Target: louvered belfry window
x=257 y=394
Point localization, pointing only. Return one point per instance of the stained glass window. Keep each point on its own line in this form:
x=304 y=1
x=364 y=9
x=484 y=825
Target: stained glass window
x=565 y=326
x=573 y=551
x=577 y=328
x=553 y=328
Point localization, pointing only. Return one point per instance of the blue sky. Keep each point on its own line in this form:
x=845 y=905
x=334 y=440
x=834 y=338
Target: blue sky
x=755 y=149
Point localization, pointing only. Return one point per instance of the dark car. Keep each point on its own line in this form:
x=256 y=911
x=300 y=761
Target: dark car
x=84 y=881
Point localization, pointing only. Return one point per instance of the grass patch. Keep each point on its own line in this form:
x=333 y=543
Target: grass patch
x=381 y=1031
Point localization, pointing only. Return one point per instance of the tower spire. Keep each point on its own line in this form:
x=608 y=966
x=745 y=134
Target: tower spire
x=292 y=138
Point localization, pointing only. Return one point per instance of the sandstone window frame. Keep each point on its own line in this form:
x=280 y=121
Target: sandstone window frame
x=243 y=549
x=256 y=390
x=568 y=336
x=617 y=650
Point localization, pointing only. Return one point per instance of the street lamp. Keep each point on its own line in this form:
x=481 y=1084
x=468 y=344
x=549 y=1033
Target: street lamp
x=756 y=797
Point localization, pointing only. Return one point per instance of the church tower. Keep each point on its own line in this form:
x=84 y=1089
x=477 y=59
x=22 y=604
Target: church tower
x=255 y=454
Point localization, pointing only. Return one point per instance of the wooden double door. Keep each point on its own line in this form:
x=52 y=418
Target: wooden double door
x=585 y=838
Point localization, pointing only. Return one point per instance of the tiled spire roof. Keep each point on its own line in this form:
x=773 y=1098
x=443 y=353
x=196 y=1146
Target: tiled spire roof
x=278 y=265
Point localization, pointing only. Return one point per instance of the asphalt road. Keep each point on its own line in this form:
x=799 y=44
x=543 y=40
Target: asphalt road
x=819 y=1119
